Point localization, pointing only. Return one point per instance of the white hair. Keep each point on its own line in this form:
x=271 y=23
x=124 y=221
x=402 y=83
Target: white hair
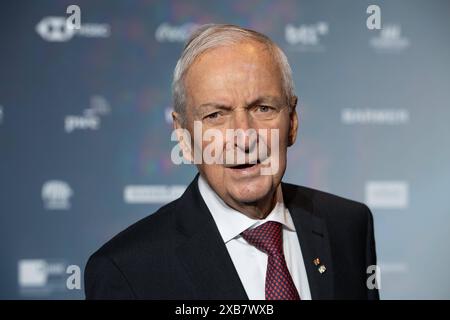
x=211 y=36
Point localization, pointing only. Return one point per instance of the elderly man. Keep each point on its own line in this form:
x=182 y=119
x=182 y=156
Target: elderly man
x=237 y=233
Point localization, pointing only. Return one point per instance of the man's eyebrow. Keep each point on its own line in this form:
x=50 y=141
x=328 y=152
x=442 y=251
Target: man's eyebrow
x=259 y=100
x=215 y=105
x=265 y=99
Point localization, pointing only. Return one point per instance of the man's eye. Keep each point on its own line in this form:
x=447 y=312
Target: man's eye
x=213 y=115
x=264 y=108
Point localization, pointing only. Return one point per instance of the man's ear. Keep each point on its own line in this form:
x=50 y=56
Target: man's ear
x=183 y=136
x=176 y=120
x=293 y=121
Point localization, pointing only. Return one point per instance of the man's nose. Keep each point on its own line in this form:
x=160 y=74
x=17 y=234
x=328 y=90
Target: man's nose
x=241 y=120
x=244 y=138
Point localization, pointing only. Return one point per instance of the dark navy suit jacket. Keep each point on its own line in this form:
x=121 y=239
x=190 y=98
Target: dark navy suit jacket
x=178 y=253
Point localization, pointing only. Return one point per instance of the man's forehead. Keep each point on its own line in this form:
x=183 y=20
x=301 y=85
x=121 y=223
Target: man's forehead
x=244 y=51
x=231 y=74
x=233 y=63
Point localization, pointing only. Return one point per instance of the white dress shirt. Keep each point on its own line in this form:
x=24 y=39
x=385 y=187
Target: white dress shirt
x=250 y=262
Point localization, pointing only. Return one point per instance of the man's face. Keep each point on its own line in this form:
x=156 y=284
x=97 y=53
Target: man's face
x=240 y=87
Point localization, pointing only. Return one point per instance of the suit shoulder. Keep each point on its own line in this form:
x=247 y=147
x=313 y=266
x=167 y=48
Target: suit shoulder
x=145 y=233
x=331 y=205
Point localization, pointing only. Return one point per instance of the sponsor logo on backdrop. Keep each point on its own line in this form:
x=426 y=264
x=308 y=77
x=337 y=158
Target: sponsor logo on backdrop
x=389 y=40
x=42 y=277
x=1 y=114
x=387 y=194
x=57 y=29
x=306 y=37
x=56 y=195
x=375 y=116
x=174 y=33
x=91 y=117
x=144 y=194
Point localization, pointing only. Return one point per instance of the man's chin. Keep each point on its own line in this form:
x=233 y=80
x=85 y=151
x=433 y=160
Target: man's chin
x=251 y=192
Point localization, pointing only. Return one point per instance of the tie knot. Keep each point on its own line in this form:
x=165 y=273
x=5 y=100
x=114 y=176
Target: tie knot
x=267 y=237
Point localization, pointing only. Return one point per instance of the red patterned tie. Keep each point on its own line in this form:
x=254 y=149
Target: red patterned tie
x=268 y=238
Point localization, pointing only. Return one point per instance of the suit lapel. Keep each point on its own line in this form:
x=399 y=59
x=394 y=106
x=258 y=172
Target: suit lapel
x=314 y=241
x=202 y=251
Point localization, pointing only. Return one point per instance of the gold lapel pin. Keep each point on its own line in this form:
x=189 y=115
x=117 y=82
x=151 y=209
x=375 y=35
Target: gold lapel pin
x=321 y=268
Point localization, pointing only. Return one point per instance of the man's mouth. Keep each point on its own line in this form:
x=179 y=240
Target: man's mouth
x=244 y=165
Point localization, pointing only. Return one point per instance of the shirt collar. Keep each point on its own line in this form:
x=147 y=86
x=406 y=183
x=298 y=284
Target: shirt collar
x=232 y=223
